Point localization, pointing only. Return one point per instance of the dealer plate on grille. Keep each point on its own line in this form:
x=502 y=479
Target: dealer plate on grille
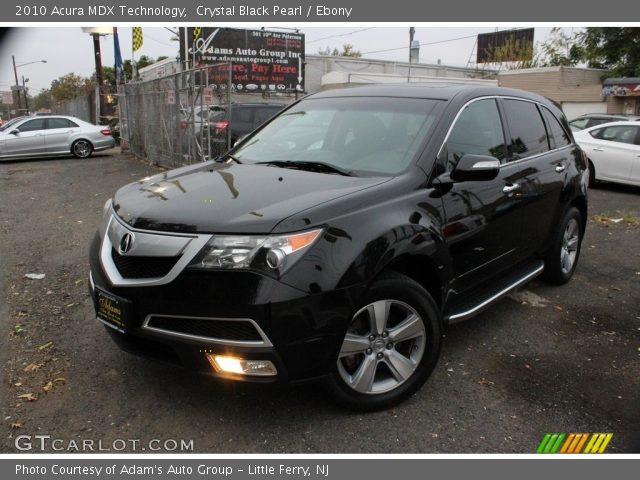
x=112 y=310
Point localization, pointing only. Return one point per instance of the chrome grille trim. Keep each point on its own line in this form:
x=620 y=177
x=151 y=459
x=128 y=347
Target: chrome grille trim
x=148 y=243
x=265 y=342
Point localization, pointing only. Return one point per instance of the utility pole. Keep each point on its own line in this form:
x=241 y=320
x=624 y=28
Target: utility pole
x=15 y=72
x=99 y=79
x=26 y=97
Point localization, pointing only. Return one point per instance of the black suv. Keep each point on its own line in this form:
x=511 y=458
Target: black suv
x=244 y=119
x=338 y=240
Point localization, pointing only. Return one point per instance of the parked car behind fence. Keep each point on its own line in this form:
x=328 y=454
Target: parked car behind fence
x=45 y=136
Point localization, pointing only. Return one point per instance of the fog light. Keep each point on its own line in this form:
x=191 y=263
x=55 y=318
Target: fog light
x=241 y=366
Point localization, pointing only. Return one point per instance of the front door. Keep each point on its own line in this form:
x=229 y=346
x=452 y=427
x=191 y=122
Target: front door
x=482 y=217
x=28 y=140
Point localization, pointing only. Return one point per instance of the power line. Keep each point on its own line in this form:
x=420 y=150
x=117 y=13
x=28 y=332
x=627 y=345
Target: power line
x=422 y=44
x=146 y=35
x=341 y=35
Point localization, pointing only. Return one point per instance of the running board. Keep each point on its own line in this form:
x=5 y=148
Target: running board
x=477 y=303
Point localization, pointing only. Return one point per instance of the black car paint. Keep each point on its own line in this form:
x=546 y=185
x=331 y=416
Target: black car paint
x=451 y=238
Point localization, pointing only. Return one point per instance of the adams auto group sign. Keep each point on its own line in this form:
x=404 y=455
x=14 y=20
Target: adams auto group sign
x=260 y=60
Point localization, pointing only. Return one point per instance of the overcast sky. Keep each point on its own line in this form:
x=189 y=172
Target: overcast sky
x=69 y=49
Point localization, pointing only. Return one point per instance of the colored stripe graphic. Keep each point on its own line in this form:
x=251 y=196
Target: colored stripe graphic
x=574 y=443
x=598 y=442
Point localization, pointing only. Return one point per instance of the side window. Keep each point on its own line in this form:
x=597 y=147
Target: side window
x=241 y=115
x=528 y=135
x=556 y=132
x=600 y=121
x=59 y=123
x=32 y=125
x=620 y=134
x=596 y=133
x=478 y=130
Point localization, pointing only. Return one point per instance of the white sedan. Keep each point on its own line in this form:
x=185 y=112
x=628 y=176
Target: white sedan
x=52 y=136
x=613 y=150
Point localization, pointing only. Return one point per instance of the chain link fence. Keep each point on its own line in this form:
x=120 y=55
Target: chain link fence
x=167 y=120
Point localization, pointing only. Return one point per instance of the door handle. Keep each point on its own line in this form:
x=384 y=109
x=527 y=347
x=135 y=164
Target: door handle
x=598 y=150
x=561 y=168
x=511 y=188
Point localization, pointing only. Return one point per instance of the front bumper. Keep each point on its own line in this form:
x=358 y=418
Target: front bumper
x=300 y=333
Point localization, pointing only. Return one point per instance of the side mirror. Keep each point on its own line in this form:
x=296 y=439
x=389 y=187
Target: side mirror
x=472 y=168
x=14 y=132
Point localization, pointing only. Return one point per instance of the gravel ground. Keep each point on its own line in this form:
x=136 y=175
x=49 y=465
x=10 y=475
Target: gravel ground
x=545 y=359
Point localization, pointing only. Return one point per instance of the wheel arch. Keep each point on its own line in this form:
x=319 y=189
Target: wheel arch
x=580 y=203
x=424 y=270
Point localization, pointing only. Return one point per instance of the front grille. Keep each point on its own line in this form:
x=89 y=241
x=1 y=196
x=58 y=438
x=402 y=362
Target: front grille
x=142 y=267
x=235 y=330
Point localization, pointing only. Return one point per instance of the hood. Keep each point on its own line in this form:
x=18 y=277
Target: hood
x=229 y=197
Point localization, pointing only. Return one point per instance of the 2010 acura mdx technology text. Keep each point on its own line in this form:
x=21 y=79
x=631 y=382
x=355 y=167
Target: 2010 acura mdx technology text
x=336 y=241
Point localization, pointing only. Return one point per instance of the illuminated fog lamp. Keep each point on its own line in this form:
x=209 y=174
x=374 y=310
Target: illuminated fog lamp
x=240 y=366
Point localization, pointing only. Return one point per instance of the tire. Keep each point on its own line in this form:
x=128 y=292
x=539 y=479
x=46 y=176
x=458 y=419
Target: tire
x=592 y=175
x=82 y=148
x=562 y=259
x=381 y=363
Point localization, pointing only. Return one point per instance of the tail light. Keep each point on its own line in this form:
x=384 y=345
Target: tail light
x=184 y=125
x=221 y=126
x=106 y=132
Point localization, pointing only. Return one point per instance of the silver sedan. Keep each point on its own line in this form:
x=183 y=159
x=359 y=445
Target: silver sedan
x=53 y=136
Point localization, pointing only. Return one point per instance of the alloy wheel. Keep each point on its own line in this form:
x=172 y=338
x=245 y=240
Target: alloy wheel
x=382 y=348
x=569 y=249
x=82 y=149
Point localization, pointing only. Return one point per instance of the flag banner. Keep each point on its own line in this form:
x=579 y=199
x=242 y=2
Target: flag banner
x=137 y=38
x=119 y=67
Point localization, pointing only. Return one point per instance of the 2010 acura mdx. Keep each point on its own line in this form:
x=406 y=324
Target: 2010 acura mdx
x=338 y=240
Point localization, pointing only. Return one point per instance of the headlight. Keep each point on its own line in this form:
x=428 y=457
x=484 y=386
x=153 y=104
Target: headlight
x=273 y=253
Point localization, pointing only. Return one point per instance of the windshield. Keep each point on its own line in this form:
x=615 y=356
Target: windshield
x=11 y=122
x=362 y=135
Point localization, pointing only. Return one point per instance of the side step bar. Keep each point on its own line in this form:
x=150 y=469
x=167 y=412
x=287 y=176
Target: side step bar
x=509 y=283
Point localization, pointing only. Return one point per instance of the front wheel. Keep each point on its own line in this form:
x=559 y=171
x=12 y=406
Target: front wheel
x=562 y=259
x=390 y=348
x=81 y=148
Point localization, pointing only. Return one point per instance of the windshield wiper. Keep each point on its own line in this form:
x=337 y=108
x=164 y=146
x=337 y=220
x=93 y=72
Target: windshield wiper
x=227 y=155
x=320 y=167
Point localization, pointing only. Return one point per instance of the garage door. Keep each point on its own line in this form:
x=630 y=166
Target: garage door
x=575 y=109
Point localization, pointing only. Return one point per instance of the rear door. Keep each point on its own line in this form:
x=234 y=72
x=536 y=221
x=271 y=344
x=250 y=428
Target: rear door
x=611 y=149
x=58 y=135
x=29 y=140
x=482 y=217
x=543 y=166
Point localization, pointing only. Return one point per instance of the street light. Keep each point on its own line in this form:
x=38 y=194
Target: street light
x=15 y=72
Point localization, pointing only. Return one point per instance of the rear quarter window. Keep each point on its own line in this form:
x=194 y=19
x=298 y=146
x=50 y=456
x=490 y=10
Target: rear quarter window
x=557 y=134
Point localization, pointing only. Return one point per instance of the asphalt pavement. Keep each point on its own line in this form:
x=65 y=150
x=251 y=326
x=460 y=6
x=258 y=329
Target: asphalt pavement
x=545 y=359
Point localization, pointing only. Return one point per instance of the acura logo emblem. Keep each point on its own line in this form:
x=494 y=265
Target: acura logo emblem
x=126 y=243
